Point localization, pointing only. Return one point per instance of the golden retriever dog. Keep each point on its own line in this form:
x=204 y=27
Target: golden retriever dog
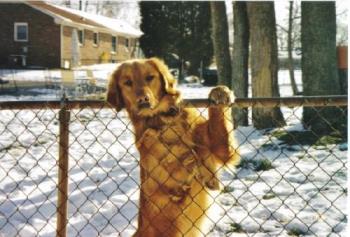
x=181 y=152
x=171 y=151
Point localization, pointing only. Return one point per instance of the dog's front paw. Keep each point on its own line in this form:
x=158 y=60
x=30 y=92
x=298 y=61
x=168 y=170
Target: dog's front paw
x=178 y=194
x=209 y=181
x=213 y=184
x=221 y=95
x=208 y=177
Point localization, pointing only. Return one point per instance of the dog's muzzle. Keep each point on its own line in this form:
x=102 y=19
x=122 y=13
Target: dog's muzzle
x=173 y=111
x=145 y=105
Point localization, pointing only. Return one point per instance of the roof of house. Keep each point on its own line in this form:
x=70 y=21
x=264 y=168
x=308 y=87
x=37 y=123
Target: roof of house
x=80 y=19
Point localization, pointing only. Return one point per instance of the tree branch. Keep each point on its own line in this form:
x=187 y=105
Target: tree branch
x=282 y=28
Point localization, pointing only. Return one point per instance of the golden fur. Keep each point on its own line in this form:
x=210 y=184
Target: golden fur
x=181 y=152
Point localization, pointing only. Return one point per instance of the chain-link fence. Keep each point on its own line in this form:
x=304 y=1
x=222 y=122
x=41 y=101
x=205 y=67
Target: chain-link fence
x=72 y=167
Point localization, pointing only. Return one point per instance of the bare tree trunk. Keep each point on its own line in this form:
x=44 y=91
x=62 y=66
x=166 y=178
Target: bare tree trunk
x=98 y=7
x=240 y=59
x=221 y=42
x=290 y=50
x=319 y=64
x=263 y=42
x=107 y=8
x=68 y=3
x=86 y=5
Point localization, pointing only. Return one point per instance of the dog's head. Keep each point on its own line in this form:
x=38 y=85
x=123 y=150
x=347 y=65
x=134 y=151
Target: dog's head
x=139 y=85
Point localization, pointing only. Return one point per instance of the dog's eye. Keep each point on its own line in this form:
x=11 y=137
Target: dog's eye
x=128 y=83
x=149 y=78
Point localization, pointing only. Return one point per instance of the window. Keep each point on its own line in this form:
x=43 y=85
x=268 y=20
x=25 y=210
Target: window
x=96 y=39
x=81 y=36
x=114 y=44
x=127 y=43
x=21 y=31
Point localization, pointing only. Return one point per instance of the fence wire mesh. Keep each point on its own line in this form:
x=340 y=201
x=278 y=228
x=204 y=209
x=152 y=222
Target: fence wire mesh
x=291 y=180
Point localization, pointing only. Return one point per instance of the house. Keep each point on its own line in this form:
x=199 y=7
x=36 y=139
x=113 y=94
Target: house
x=36 y=33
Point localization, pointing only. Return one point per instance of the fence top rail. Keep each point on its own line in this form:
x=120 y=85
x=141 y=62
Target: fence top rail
x=259 y=102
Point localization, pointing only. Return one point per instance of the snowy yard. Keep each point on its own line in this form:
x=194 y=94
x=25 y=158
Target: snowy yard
x=280 y=189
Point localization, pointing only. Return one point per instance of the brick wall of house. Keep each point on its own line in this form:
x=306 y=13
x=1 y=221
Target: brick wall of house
x=92 y=54
x=44 y=41
x=43 y=46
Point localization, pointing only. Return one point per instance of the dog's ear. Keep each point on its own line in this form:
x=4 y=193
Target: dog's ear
x=168 y=79
x=114 y=96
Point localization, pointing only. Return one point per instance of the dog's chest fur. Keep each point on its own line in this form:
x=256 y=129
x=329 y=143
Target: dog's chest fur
x=172 y=129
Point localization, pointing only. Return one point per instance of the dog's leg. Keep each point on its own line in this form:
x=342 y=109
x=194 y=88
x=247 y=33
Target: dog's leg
x=207 y=173
x=220 y=126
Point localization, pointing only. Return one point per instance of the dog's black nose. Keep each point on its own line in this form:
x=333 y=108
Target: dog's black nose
x=143 y=99
x=143 y=102
x=173 y=111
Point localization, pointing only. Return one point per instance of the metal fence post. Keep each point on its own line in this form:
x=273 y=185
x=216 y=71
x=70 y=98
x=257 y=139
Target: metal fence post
x=63 y=166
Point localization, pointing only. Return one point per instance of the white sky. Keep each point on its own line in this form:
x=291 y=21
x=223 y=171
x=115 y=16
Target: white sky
x=282 y=10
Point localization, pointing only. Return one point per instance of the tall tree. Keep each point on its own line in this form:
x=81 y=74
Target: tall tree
x=86 y=5
x=263 y=42
x=319 y=62
x=290 y=49
x=68 y=3
x=291 y=34
x=199 y=30
x=155 y=26
x=98 y=7
x=221 y=42
x=240 y=58
x=181 y=28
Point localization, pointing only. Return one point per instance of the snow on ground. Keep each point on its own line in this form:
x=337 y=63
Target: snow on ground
x=302 y=194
